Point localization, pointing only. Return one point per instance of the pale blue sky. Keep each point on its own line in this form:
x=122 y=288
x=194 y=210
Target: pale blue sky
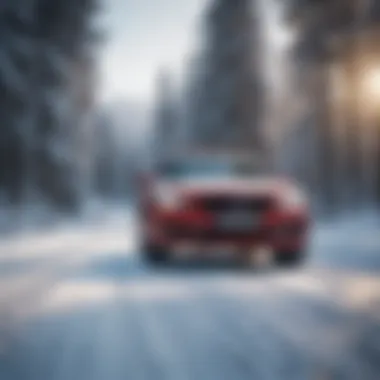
x=144 y=35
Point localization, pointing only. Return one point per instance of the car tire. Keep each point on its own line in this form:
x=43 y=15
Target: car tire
x=155 y=255
x=290 y=259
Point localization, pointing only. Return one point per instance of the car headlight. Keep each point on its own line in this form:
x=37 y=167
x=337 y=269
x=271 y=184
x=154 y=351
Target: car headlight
x=168 y=199
x=294 y=200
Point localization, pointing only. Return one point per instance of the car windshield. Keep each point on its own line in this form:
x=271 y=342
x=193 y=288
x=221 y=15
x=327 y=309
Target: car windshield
x=208 y=169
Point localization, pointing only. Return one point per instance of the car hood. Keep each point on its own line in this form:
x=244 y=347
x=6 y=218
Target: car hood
x=239 y=186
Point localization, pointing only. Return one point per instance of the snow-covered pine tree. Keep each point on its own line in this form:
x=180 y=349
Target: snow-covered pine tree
x=166 y=119
x=330 y=32
x=42 y=44
x=231 y=85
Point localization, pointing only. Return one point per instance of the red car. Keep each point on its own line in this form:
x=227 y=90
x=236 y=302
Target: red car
x=210 y=206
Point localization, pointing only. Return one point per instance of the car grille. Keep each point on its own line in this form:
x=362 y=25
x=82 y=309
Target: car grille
x=214 y=234
x=220 y=204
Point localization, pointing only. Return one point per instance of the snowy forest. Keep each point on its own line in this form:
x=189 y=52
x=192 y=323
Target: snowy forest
x=59 y=146
x=46 y=70
x=310 y=106
x=46 y=66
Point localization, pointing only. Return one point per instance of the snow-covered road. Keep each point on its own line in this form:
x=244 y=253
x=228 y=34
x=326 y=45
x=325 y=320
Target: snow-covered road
x=77 y=303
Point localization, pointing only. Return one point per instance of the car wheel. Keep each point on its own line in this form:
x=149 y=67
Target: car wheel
x=290 y=259
x=154 y=254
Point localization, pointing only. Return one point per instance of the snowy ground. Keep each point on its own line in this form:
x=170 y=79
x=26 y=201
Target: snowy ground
x=76 y=302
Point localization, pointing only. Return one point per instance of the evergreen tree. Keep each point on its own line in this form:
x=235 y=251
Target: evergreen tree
x=166 y=119
x=42 y=44
x=331 y=32
x=230 y=85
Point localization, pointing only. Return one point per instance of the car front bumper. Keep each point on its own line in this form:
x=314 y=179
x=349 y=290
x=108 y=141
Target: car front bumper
x=198 y=233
